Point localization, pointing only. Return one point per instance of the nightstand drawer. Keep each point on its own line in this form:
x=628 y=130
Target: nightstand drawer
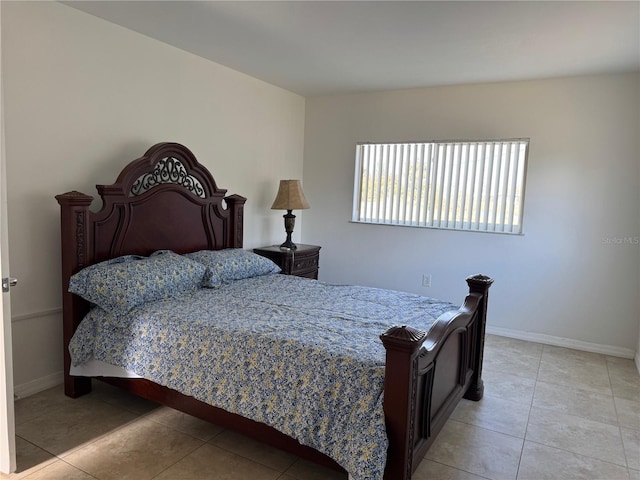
x=302 y=262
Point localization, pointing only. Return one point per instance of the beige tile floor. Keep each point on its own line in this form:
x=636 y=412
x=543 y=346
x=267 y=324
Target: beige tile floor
x=548 y=413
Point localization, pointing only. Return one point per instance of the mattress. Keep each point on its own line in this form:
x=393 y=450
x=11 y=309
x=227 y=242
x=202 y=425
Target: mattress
x=97 y=368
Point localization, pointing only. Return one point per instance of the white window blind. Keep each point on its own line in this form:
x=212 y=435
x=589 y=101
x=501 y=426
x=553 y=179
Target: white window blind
x=460 y=185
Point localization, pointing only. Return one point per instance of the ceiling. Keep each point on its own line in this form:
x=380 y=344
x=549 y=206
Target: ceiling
x=328 y=47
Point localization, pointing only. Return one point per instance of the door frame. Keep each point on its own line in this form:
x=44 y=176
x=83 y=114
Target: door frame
x=7 y=412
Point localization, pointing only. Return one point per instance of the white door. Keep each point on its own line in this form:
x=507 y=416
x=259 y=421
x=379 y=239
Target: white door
x=7 y=423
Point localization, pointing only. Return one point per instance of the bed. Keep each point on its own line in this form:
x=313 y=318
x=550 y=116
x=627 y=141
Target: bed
x=167 y=206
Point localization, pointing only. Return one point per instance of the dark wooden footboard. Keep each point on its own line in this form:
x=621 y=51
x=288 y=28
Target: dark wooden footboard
x=427 y=375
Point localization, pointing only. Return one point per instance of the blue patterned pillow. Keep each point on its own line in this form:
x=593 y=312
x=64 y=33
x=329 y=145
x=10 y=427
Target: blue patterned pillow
x=225 y=266
x=122 y=283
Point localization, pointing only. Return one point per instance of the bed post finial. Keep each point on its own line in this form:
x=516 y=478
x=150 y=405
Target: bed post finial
x=478 y=284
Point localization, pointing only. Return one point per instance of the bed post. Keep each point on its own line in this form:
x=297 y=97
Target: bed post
x=236 y=206
x=74 y=209
x=478 y=284
x=400 y=383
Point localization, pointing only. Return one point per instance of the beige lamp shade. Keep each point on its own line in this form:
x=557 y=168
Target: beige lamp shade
x=290 y=196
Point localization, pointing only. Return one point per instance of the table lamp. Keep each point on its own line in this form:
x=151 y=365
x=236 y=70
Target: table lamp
x=290 y=197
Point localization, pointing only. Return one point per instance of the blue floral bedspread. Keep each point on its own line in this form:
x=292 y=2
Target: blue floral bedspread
x=302 y=356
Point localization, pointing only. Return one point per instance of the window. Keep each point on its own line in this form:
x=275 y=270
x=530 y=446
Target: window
x=461 y=185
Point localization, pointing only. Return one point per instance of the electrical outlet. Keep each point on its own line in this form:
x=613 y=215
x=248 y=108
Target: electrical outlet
x=426 y=280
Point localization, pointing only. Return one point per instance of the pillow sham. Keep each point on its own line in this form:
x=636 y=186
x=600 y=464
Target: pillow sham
x=225 y=266
x=122 y=283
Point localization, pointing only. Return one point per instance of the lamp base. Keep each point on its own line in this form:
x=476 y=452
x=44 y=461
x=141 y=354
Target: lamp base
x=289 y=223
x=288 y=245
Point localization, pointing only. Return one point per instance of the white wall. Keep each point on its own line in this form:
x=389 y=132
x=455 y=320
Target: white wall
x=566 y=277
x=83 y=97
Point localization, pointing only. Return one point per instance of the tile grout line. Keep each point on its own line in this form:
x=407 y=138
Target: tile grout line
x=615 y=407
x=617 y=425
x=459 y=469
x=535 y=386
x=179 y=460
x=578 y=454
x=76 y=467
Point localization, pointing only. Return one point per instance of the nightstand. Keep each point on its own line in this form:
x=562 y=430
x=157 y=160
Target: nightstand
x=302 y=262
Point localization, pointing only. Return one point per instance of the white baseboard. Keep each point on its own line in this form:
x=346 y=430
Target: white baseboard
x=566 y=342
x=38 y=385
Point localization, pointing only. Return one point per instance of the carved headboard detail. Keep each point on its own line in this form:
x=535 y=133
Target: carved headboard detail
x=168 y=170
x=163 y=200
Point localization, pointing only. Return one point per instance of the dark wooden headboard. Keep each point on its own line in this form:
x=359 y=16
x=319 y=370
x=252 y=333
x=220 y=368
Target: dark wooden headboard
x=163 y=200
